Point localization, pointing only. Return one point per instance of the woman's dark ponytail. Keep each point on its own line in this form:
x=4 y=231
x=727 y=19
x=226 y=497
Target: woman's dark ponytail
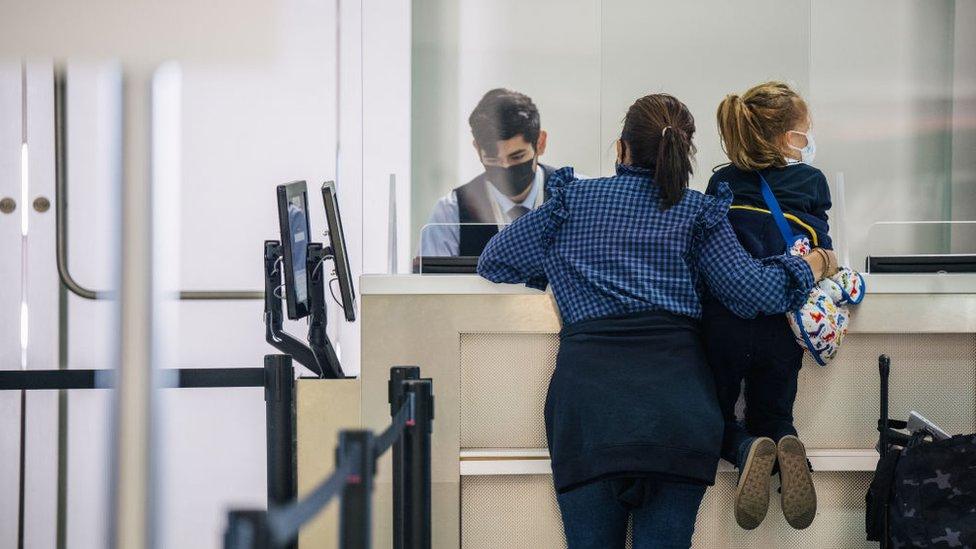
x=658 y=131
x=673 y=166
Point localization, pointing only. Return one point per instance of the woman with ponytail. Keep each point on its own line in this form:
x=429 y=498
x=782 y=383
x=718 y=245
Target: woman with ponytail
x=632 y=422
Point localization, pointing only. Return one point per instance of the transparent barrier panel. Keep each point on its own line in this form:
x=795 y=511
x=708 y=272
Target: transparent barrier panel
x=548 y=50
x=891 y=87
x=894 y=238
x=686 y=49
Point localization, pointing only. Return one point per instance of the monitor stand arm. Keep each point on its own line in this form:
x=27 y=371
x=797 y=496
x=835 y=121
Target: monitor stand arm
x=328 y=365
x=318 y=285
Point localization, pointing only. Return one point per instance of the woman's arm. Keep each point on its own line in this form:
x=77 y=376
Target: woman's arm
x=748 y=286
x=516 y=253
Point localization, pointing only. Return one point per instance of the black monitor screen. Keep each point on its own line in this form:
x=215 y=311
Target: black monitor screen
x=338 y=240
x=293 y=221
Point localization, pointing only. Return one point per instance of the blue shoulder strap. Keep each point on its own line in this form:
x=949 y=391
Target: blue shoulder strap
x=777 y=212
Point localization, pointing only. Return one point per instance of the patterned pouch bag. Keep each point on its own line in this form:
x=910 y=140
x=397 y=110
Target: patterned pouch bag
x=819 y=325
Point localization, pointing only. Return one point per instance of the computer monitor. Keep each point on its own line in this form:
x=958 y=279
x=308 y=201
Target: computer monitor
x=341 y=258
x=295 y=237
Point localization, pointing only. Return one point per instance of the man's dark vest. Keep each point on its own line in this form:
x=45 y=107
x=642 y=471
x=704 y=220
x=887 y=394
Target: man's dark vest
x=474 y=206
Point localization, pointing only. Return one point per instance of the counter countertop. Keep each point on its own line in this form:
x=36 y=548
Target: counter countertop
x=895 y=304
x=472 y=284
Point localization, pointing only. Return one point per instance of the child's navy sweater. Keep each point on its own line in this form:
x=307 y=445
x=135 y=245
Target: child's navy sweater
x=802 y=193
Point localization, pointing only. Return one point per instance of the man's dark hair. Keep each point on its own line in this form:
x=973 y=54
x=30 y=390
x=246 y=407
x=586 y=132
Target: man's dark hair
x=502 y=114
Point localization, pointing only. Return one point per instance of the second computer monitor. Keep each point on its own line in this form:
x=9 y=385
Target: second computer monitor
x=339 y=250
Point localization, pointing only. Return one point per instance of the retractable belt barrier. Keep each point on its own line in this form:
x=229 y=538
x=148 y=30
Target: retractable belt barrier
x=412 y=409
x=183 y=378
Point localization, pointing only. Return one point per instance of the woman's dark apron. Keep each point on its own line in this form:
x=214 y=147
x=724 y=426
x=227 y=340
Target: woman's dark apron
x=632 y=396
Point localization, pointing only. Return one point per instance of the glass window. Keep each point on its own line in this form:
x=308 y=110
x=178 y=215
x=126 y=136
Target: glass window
x=891 y=87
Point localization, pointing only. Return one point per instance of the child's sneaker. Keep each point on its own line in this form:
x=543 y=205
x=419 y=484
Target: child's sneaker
x=752 y=493
x=799 y=499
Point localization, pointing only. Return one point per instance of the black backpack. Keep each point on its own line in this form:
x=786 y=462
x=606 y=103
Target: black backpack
x=930 y=491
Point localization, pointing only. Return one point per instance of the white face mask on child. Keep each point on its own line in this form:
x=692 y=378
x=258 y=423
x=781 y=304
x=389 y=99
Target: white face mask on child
x=810 y=151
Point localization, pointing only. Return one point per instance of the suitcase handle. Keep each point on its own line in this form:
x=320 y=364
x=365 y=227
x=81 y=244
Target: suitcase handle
x=884 y=368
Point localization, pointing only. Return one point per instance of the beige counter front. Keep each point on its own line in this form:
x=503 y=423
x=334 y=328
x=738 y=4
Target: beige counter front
x=490 y=350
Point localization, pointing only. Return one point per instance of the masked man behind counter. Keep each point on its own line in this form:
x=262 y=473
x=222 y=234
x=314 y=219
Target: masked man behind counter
x=509 y=142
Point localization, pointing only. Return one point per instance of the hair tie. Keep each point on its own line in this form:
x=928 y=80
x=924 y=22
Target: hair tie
x=664 y=130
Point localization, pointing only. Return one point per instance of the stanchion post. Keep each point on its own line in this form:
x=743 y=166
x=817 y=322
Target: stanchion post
x=416 y=457
x=355 y=519
x=396 y=391
x=279 y=398
x=247 y=530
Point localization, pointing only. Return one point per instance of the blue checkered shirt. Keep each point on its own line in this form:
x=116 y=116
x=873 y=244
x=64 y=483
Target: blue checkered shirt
x=608 y=249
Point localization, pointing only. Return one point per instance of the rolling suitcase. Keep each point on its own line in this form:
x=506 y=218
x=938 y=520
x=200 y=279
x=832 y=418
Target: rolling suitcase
x=924 y=490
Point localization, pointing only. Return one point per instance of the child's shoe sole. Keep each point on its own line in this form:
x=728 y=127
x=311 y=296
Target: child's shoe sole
x=799 y=498
x=752 y=493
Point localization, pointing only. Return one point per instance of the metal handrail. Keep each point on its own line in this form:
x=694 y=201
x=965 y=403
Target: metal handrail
x=60 y=193
x=61 y=214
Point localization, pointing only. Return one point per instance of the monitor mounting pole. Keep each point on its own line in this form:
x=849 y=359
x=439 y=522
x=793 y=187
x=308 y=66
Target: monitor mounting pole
x=318 y=284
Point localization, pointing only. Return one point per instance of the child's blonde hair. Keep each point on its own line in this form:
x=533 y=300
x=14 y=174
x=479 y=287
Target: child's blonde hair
x=751 y=126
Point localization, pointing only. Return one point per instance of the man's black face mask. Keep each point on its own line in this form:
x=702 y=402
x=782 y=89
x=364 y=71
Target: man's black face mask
x=513 y=180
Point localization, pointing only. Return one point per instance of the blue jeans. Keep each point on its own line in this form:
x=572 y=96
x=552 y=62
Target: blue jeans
x=595 y=515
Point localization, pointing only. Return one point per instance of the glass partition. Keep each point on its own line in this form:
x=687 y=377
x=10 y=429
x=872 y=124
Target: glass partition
x=548 y=50
x=921 y=238
x=886 y=78
x=699 y=52
x=891 y=87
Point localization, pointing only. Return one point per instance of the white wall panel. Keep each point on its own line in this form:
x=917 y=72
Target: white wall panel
x=386 y=131
x=245 y=129
x=10 y=296
x=213 y=445
x=41 y=449
x=350 y=173
x=93 y=149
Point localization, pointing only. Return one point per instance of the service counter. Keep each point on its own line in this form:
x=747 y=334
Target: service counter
x=490 y=350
